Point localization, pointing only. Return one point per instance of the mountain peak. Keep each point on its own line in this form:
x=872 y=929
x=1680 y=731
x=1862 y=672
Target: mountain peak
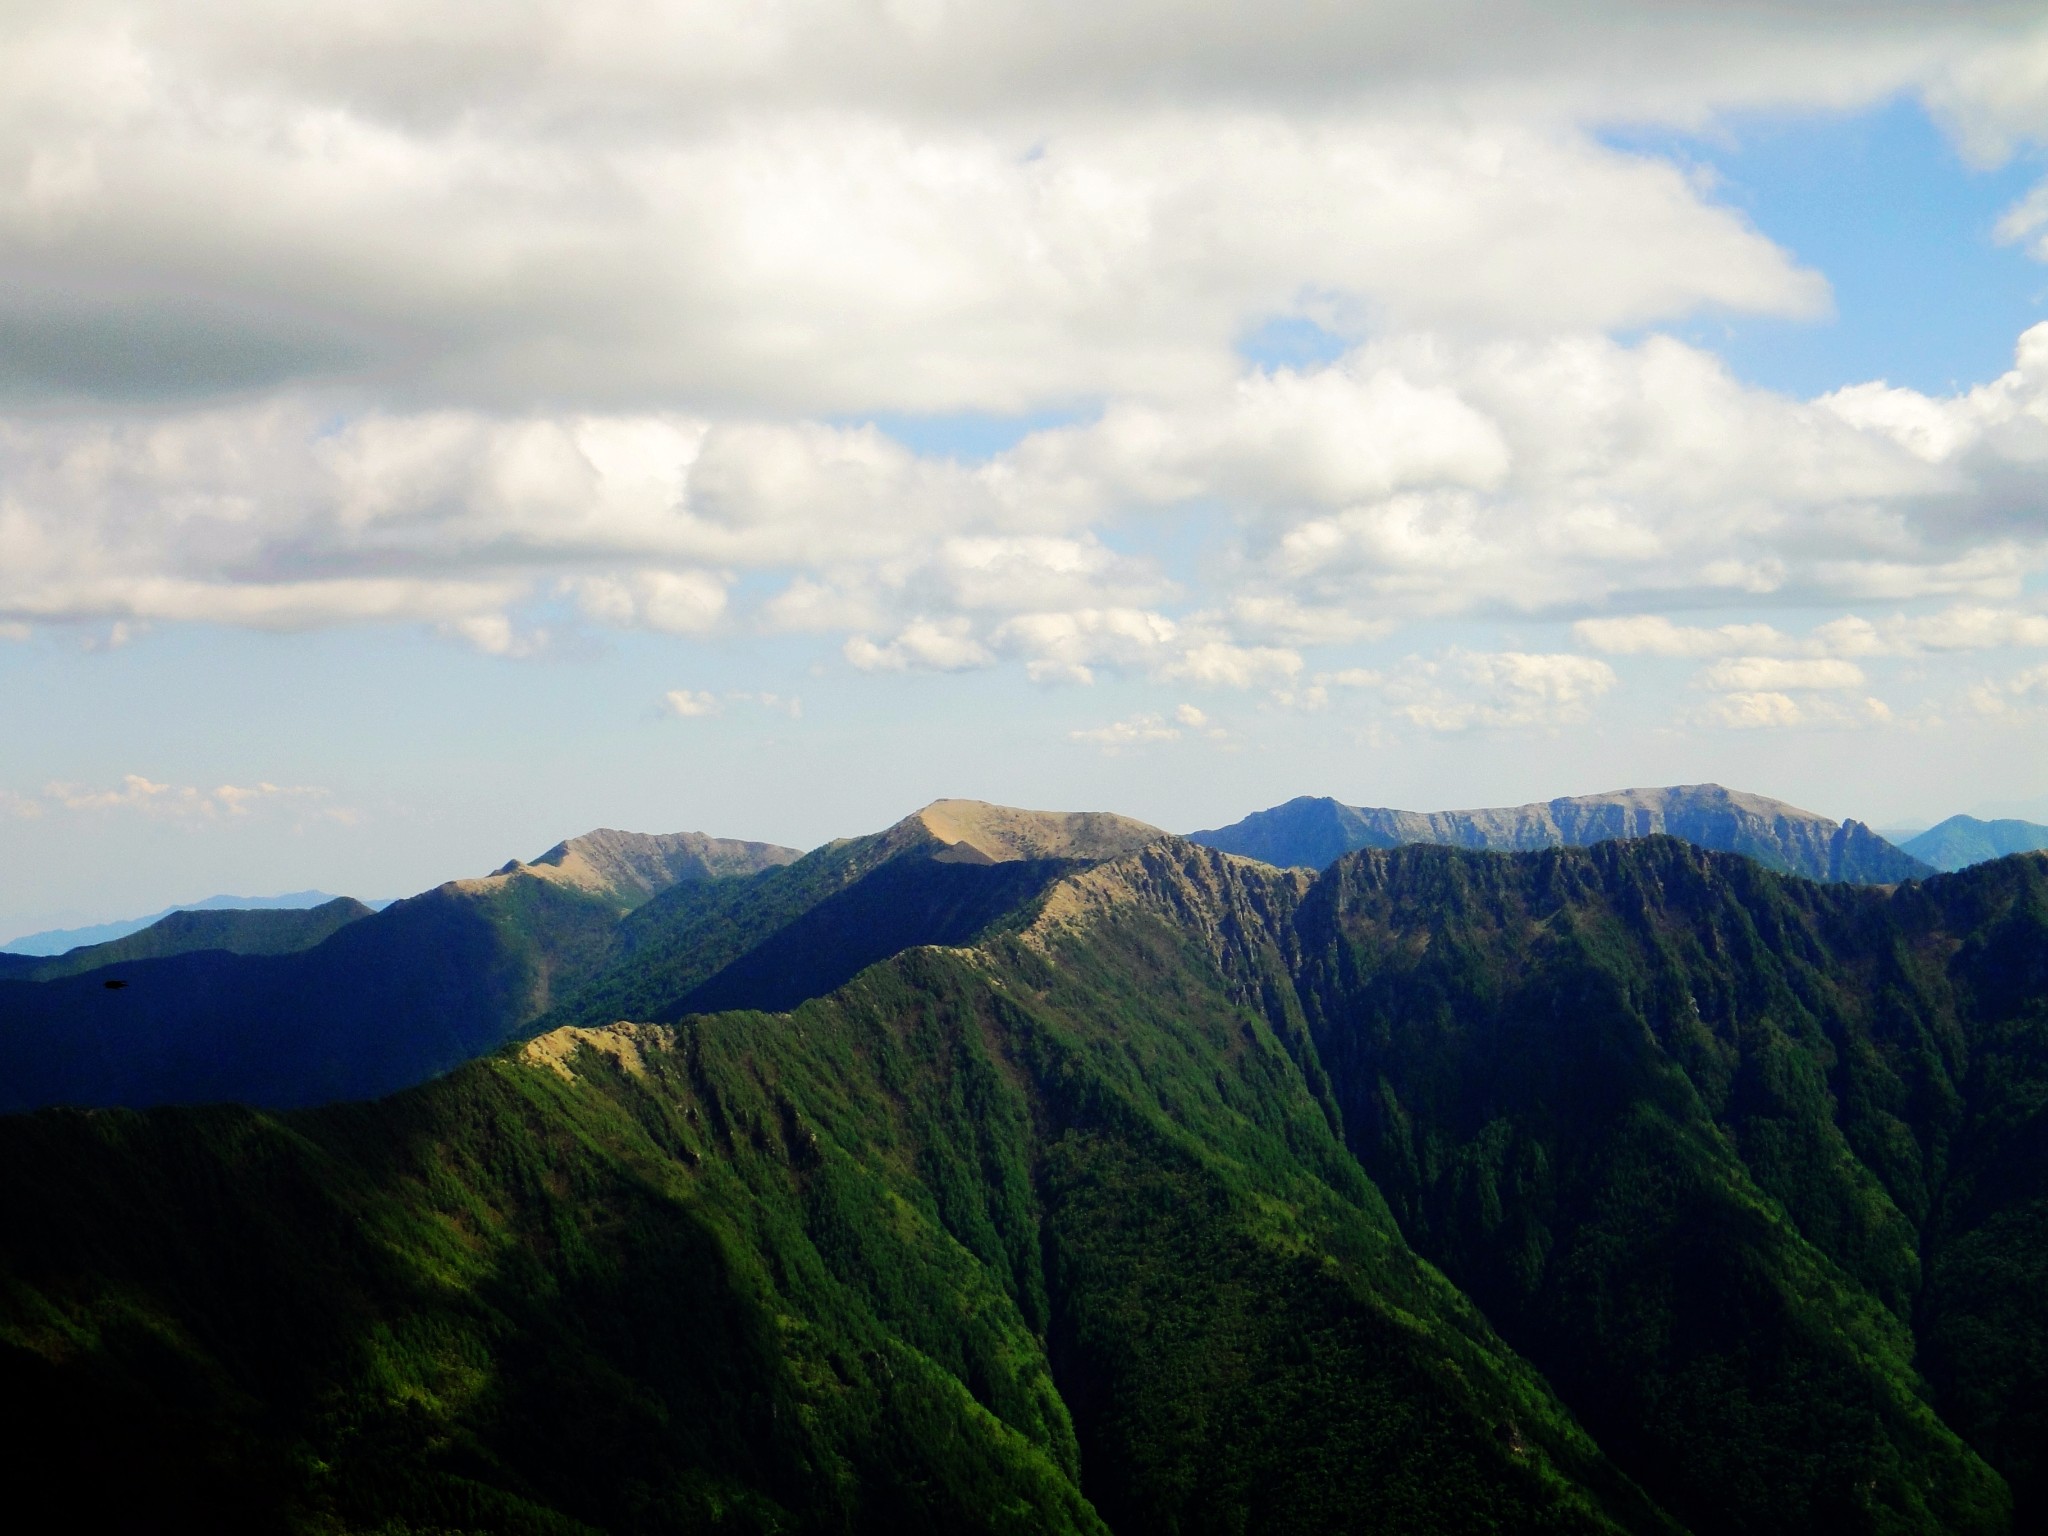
x=976 y=832
x=629 y=867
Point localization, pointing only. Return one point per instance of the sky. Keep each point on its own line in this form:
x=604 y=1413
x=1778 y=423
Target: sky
x=431 y=430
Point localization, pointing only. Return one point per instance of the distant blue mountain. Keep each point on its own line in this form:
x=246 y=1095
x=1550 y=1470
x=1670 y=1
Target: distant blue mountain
x=55 y=941
x=1962 y=841
x=1312 y=832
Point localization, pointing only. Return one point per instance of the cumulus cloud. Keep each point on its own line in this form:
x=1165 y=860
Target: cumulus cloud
x=2020 y=694
x=1761 y=675
x=1068 y=647
x=1771 y=710
x=689 y=704
x=1120 y=735
x=1464 y=690
x=1754 y=711
x=672 y=602
x=1965 y=627
x=355 y=319
x=180 y=802
x=1652 y=634
x=928 y=645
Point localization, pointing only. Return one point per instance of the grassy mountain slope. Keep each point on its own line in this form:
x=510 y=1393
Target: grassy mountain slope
x=1312 y=833
x=1690 y=1134
x=1962 y=841
x=1015 y=1238
x=246 y=931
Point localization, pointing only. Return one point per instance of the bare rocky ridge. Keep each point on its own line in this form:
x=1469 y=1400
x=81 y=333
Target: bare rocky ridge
x=1313 y=832
x=979 y=833
x=629 y=867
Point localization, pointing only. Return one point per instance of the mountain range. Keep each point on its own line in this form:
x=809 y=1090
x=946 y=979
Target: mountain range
x=378 y=1002
x=1312 y=832
x=1012 y=1171
x=56 y=941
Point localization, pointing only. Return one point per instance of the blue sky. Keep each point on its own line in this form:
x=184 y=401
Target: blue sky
x=1880 y=201
x=1492 y=427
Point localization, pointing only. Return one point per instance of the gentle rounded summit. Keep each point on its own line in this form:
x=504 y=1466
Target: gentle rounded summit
x=977 y=831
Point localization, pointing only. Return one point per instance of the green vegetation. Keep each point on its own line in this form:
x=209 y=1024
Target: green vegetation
x=1625 y=1188
x=1700 y=1141
x=1001 y=1240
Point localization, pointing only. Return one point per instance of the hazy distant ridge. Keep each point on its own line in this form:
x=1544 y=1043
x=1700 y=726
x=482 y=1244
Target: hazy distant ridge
x=55 y=941
x=1962 y=841
x=1313 y=832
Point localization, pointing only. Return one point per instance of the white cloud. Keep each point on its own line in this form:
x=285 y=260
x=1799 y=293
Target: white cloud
x=1068 y=647
x=495 y=635
x=183 y=802
x=1754 y=711
x=1762 y=676
x=927 y=645
x=1652 y=634
x=1771 y=710
x=1498 y=690
x=1219 y=664
x=1966 y=627
x=672 y=602
x=283 y=292
x=688 y=704
x=1120 y=735
x=2021 y=693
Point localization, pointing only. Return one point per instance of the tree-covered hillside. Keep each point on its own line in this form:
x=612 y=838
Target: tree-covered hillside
x=1633 y=1187
x=1046 y=1235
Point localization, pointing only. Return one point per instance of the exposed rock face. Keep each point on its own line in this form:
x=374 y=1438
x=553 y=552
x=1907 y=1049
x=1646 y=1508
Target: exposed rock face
x=1314 y=832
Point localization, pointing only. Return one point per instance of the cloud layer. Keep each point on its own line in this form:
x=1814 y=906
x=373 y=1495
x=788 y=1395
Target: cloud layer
x=565 y=318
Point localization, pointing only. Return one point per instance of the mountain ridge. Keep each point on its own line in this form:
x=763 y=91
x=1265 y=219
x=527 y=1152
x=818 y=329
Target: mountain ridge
x=1313 y=831
x=1961 y=841
x=1578 y=1189
x=56 y=941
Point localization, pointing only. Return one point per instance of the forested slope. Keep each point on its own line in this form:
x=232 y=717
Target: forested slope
x=1632 y=1187
x=1027 y=1237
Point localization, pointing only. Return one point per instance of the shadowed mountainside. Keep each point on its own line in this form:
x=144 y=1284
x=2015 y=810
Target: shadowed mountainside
x=58 y=941
x=383 y=1002
x=250 y=931
x=1312 y=832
